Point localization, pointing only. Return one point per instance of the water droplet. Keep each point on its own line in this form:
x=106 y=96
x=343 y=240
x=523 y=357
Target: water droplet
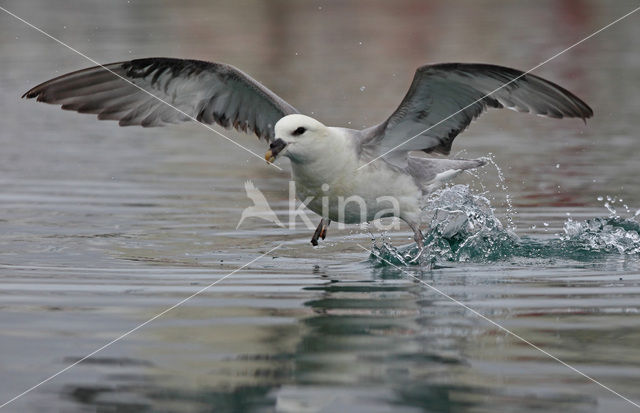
x=501 y=184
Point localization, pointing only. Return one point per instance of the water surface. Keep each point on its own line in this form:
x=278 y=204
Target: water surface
x=101 y=227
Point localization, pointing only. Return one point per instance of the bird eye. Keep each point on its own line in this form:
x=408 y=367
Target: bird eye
x=299 y=131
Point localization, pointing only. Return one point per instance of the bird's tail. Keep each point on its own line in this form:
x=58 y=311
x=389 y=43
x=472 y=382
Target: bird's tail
x=430 y=173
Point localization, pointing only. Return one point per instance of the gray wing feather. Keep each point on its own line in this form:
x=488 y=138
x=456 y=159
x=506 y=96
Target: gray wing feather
x=425 y=170
x=439 y=91
x=209 y=92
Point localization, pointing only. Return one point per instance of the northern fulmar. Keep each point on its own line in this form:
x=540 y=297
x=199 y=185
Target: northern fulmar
x=329 y=164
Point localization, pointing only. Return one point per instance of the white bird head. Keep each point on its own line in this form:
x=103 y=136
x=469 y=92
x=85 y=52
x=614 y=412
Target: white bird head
x=298 y=137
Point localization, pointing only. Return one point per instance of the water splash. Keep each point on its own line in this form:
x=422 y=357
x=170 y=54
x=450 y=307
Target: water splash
x=502 y=185
x=608 y=235
x=463 y=227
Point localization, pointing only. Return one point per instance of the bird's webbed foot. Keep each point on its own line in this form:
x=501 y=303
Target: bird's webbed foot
x=321 y=231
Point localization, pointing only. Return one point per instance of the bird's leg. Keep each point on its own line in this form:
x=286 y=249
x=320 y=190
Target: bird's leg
x=321 y=231
x=414 y=224
x=419 y=238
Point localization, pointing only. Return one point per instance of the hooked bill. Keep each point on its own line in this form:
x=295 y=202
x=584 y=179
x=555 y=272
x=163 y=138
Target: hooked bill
x=274 y=149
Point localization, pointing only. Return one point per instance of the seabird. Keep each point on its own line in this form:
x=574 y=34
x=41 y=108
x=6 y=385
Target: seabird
x=330 y=163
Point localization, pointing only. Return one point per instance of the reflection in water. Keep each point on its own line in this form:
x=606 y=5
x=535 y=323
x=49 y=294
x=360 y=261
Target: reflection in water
x=383 y=343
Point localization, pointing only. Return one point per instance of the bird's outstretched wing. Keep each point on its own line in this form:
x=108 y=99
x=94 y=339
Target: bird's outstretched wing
x=443 y=99
x=135 y=92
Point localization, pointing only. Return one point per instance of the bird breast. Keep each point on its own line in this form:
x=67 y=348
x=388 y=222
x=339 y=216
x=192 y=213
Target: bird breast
x=354 y=196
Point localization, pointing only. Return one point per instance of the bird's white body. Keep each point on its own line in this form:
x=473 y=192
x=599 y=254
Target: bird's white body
x=326 y=168
x=338 y=190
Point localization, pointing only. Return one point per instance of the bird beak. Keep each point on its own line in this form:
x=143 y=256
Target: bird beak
x=274 y=149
